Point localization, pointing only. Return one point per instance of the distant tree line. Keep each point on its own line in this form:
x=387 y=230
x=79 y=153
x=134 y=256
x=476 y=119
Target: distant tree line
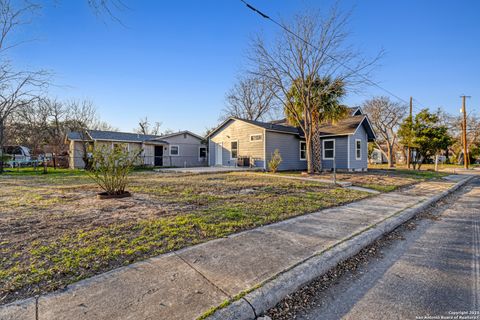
x=428 y=133
x=28 y=116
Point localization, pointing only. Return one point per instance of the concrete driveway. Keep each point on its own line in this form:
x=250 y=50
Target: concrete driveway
x=201 y=170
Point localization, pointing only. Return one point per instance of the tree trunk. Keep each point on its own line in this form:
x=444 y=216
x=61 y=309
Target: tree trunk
x=390 y=155
x=308 y=142
x=317 y=149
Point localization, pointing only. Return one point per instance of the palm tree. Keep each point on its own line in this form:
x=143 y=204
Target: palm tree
x=326 y=97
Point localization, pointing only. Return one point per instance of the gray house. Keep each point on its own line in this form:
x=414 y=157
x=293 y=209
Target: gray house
x=179 y=149
x=244 y=142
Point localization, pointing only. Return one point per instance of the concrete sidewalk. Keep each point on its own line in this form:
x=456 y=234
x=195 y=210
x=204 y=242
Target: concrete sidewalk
x=187 y=283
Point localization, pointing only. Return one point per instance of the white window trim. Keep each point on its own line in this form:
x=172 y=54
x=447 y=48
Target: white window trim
x=238 y=147
x=256 y=134
x=300 y=150
x=323 y=149
x=170 y=150
x=206 y=152
x=358 y=158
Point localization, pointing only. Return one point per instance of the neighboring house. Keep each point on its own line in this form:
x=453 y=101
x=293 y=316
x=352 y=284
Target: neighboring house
x=344 y=142
x=378 y=157
x=180 y=149
x=16 y=155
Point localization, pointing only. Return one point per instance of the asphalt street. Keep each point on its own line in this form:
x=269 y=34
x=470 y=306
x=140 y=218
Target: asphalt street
x=434 y=273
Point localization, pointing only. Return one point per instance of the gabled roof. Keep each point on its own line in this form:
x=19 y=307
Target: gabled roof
x=120 y=136
x=343 y=127
x=348 y=126
x=271 y=126
x=352 y=111
x=266 y=125
x=355 y=111
x=125 y=136
x=165 y=136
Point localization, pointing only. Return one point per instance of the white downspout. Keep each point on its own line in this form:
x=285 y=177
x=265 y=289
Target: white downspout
x=265 y=149
x=348 y=152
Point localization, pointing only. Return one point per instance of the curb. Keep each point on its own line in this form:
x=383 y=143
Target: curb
x=259 y=300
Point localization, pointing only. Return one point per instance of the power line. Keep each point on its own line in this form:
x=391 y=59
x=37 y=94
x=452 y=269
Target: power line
x=265 y=16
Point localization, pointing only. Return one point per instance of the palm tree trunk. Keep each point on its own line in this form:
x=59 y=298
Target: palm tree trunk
x=317 y=148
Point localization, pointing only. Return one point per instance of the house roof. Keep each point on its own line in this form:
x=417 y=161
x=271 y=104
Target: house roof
x=120 y=136
x=353 y=111
x=125 y=136
x=343 y=127
x=272 y=126
x=164 y=136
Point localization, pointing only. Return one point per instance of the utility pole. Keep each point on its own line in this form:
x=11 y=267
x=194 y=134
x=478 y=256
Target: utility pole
x=464 y=135
x=408 y=146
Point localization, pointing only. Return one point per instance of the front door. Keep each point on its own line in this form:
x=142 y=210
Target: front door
x=218 y=154
x=158 y=162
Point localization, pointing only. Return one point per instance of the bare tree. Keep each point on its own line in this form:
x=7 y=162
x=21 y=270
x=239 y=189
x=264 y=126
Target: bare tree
x=13 y=16
x=82 y=116
x=109 y=8
x=386 y=117
x=29 y=126
x=18 y=89
x=455 y=128
x=312 y=46
x=148 y=128
x=250 y=98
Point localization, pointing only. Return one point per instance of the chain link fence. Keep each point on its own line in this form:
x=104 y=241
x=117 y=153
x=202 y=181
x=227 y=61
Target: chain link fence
x=39 y=162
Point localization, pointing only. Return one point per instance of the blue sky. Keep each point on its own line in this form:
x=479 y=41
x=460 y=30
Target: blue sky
x=173 y=61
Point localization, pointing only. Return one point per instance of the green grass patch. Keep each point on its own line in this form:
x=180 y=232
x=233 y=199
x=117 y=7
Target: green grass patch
x=59 y=172
x=420 y=174
x=379 y=187
x=183 y=210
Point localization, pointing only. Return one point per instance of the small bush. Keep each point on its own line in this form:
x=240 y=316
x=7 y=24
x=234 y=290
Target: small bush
x=111 y=166
x=274 y=163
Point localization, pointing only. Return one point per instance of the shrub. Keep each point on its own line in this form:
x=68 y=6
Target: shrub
x=275 y=161
x=111 y=166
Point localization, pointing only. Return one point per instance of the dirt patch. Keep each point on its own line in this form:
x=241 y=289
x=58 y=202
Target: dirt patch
x=54 y=231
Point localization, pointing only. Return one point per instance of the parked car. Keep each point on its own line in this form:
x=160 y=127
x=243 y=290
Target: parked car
x=16 y=155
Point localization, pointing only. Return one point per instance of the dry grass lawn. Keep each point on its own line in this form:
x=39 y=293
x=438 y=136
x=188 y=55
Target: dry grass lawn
x=381 y=180
x=53 y=231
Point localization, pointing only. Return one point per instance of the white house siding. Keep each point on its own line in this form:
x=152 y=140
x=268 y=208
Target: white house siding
x=289 y=147
x=341 y=153
x=149 y=154
x=361 y=164
x=189 y=151
x=76 y=155
x=237 y=131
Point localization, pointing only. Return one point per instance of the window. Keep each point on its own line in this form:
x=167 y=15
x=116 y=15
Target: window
x=174 y=150
x=202 y=152
x=328 y=149
x=303 y=150
x=358 y=149
x=255 y=137
x=234 y=150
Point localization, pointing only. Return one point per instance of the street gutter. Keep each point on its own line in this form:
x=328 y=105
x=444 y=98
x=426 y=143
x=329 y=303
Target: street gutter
x=253 y=302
